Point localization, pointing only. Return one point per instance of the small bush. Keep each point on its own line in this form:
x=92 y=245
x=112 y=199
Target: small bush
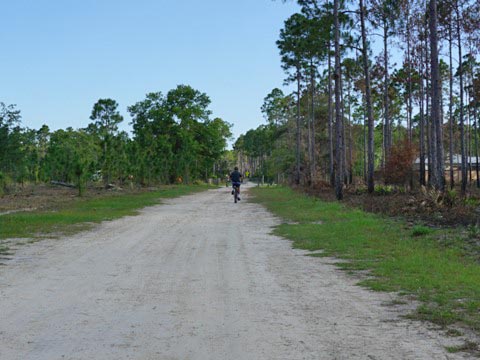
x=450 y=198
x=473 y=231
x=384 y=190
x=5 y=181
x=419 y=230
x=470 y=201
x=360 y=190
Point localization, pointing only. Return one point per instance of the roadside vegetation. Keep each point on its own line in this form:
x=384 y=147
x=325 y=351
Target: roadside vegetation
x=438 y=267
x=82 y=213
x=174 y=140
x=386 y=96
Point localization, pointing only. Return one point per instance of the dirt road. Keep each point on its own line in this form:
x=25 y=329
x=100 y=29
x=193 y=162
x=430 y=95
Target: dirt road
x=195 y=278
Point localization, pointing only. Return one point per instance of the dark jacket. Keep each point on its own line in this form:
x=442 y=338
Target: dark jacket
x=235 y=176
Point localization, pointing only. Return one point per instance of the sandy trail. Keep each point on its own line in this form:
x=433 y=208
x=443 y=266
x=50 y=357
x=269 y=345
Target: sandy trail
x=195 y=278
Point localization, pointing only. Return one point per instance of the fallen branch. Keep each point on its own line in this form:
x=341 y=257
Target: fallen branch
x=61 y=183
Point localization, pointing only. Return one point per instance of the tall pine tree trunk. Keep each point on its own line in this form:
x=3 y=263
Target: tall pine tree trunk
x=475 y=129
x=437 y=135
x=450 y=104
x=386 y=107
x=365 y=141
x=428 y=121
x=330 y=120
x=410 y=85
x=309 y=138
x=344 y=137
x=469 y=139
x=462 y=120
x=368 y=100
x=297 y=143
x=312 y=139
x=422 y=132
x=350 y=140
x=338 y=111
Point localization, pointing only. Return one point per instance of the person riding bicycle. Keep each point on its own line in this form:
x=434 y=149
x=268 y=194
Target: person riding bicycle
x=236 y=179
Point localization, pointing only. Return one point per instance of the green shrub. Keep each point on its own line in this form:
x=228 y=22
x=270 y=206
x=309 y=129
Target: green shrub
x=420 y=230
x=471 y=201
x=384 y=190
x=5 y=181
x=361 y=190
x=450 y=198
x=473 y=231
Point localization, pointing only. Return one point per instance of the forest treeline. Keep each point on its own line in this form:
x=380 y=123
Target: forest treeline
x=174 y=139
x=386 y=91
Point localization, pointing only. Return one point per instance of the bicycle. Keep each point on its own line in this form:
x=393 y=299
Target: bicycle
x=236 y=190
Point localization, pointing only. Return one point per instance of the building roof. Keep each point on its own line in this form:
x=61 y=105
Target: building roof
x=457 y=159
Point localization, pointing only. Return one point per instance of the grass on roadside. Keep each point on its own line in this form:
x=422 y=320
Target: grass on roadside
x=80 y=214
x=442 y=275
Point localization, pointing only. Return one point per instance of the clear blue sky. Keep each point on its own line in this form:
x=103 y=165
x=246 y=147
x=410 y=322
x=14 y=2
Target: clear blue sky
x=58 y=57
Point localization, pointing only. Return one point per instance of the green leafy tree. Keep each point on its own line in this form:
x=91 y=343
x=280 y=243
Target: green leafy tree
x=106 y=118
x=188 y=107
x=174 y=136
x=72 y=156
x=154 y=131
x=212 y=136
x=42 y=139
x=9 y=125
x=275 y=107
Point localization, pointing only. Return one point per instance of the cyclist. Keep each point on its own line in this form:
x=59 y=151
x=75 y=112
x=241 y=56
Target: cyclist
x=236 y=178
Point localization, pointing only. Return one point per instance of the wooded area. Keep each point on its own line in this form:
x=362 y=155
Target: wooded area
x=386 y=92
x=174 y=139
x=380 y=85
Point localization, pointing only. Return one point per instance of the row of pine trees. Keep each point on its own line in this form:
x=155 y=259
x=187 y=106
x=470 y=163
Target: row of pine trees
x=378 y=84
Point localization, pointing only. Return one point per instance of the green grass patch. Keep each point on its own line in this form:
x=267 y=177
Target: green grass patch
x=80 y=214
x=468 y=346
x=411 y=262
